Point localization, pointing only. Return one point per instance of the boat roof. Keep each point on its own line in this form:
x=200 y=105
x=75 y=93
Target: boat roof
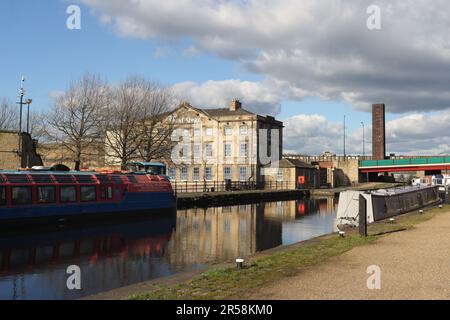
x=400 y=190
x=148 y=164
x=77 y=173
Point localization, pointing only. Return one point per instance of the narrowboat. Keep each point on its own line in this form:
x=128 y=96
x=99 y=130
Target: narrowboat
x=37 y=196
x=385 y=203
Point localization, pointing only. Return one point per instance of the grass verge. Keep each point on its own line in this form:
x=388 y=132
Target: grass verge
x=229 y=282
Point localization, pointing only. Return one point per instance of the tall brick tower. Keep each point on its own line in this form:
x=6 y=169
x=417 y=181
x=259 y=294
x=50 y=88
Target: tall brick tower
x=378 y=131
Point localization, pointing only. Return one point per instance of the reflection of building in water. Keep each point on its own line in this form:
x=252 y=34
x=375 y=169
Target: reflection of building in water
x=327 y=205
x=208 y=235
x=291 y=210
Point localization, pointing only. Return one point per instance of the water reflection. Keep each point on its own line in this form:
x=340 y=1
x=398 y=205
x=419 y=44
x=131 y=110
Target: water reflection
x=33 y=266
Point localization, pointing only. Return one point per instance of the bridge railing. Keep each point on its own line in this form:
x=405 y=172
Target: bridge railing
x=404 y=162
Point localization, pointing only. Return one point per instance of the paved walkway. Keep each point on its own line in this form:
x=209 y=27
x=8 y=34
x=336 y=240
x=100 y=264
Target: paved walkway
x=415 y=265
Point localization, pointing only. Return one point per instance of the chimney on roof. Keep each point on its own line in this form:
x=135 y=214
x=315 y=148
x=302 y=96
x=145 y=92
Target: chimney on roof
x=235 y=105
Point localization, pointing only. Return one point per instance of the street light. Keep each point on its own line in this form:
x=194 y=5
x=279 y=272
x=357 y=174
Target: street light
x=21 y=103
x=364 y=140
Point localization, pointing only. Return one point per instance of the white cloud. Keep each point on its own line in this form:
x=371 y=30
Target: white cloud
x=414 y=134
x=312 y=48
x=257 y=97
x=322 y=48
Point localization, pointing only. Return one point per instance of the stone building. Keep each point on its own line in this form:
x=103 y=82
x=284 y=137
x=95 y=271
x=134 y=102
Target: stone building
x=292 y=174
x=56 y=153
x=215 y=145
x=11 y=158
x=334 y=171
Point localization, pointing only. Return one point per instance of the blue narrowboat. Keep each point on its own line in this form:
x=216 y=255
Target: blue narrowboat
x=28 y=196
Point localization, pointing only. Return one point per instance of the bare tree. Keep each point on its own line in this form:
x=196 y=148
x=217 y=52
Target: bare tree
x=123 y=136
x=157 y=124
x=78 y=117
x=8 y=116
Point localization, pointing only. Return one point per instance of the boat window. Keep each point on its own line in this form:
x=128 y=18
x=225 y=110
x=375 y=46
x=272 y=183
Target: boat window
x=2 y=196
x=46 y=194
x=103 y=178
x=118 y=179
x=68 y=194
x=64 y=179
x=106 y=193
x=88 y=194
x=84 y=178
x=42 y=178
x=21 y=195
x=17 y=178
x=132 y=179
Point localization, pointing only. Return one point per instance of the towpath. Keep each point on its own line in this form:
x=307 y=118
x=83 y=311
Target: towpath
x=414 y=264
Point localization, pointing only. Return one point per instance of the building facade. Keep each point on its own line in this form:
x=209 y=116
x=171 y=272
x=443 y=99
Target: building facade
x=218 y=145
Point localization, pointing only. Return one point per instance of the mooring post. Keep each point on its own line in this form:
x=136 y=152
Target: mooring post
x=362 y=216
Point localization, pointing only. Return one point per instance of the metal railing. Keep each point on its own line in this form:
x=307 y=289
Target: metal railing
x=223 y=186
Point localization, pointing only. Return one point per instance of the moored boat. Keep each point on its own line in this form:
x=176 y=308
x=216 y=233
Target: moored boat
x=385 y=203
x=30 y=196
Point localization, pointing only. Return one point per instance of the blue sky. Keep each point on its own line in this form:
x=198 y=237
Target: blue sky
x=38 y=45
x=230 y=59
x=50 y=55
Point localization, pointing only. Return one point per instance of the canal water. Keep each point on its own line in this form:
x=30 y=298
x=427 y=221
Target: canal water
x=33 y=265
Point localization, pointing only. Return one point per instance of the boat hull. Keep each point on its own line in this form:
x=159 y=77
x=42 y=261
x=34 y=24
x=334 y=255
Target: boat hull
x=131 y=205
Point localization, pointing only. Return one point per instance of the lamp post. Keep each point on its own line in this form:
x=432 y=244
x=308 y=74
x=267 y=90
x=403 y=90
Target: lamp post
x=21 y=103
x=364 y=141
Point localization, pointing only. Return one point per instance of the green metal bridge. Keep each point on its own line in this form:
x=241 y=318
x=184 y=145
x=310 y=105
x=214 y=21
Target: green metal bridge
x=405 y=164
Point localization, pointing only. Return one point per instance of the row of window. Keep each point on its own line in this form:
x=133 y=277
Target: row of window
x=47 y=194
x=228 y=150
x=228 y=131
x=227 y=174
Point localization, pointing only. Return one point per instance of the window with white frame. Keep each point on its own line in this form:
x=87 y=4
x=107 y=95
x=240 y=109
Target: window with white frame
x=227 y=173
x=243 y=130
x=280 y=175
x=197 y=151
x=209 y=131
x=196 y=174
x=228 y=150
x=184 y=173
x=208 y=150
x=184 y=152
x=228 y=131
x=186 y=133
x=243 y=149
x=197 y=132
x=243 y=173
x=172 y=173
x=208 y=173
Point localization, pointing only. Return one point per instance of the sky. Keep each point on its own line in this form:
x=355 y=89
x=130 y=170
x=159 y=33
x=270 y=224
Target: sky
x=307 y=62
